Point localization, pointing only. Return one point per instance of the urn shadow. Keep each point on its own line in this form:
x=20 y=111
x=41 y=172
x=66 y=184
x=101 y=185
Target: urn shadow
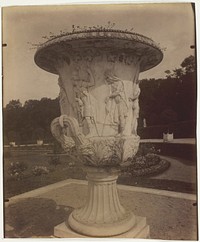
x=34 y=217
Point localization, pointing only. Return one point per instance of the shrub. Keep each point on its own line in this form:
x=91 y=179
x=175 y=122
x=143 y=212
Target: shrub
x=145 y=149
x=39 y=133
x=152 y=159
x=16 y=170
x=145 y=162
x=39 y=170
x=139 y=162
x=57 y=149
x=146 y=171
x=71 y=164
x=54 y=160
x=7 y=153
x=184 y=129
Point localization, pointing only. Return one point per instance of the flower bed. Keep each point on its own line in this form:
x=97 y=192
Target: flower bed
x=147 y=162
x=155 y=169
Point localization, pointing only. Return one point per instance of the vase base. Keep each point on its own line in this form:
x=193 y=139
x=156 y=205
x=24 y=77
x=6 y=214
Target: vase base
x=139 y=230
x=94 y=229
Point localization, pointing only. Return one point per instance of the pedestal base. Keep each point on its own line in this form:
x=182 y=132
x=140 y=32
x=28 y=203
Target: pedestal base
x=102 y=215
x=140 y=230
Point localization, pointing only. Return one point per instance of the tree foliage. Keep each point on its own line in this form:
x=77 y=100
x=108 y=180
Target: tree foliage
x=30 y=121
x=171 y=99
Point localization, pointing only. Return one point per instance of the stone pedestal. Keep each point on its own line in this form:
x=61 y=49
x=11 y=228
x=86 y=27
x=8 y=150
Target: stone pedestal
x=139 y=231
x=102 y=215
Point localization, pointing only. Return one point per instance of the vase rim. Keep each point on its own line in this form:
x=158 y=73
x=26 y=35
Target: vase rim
x=101 y=40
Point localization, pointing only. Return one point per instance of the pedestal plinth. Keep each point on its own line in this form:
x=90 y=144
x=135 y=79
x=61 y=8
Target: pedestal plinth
x=102 y=215
x=140 y=231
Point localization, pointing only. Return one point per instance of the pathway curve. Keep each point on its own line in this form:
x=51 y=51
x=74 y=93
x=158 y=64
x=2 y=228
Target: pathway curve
x=179 y=171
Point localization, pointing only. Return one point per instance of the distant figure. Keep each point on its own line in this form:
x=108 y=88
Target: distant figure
x=144 y=123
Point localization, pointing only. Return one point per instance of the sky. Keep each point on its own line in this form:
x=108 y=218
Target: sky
x=171 y=25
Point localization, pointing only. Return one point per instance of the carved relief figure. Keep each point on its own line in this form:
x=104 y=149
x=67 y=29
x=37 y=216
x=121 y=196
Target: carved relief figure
x=76 y=56
x=88 y=55
x=116 y=104
x=84 y=100
x=129 y=59
x=112 y=57
x=122 y=57
x=135 y=100
x=66 y=106
x=133 y=109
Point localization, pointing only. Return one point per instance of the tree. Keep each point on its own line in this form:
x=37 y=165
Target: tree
x=178 y=73
x=14 y=104
x=170 y=99
x=189 y=64
x=28 y=119
x=39 y=133
x=168 y=116
x=12 y=118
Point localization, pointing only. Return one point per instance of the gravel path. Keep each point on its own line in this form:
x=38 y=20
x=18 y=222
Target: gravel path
x=178 y=171
x=169 y=218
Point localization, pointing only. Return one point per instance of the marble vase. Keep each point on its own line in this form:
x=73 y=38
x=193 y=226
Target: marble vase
x=99 y=99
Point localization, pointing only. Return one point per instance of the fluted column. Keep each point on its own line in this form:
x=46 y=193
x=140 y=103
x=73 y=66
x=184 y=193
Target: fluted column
x=102 y=215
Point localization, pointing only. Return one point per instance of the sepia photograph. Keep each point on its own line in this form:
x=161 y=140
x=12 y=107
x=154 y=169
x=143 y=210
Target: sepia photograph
x=99 y=112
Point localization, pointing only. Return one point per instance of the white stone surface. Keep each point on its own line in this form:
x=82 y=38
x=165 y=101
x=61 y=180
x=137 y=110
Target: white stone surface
x=140 y=230
x=102 y=215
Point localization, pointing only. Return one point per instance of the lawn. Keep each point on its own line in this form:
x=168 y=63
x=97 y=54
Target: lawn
x=62 y=171
x=64 y=168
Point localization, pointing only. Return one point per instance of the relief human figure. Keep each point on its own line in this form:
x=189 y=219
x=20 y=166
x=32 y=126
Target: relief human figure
x=84 y=101
x=133 y=111
x=119 y=110
x=66 y=105
x=135 y=107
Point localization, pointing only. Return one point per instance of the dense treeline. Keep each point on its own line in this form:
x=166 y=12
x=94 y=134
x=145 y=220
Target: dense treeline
x=30 y=122
x=162 y=102
x=173 y=99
